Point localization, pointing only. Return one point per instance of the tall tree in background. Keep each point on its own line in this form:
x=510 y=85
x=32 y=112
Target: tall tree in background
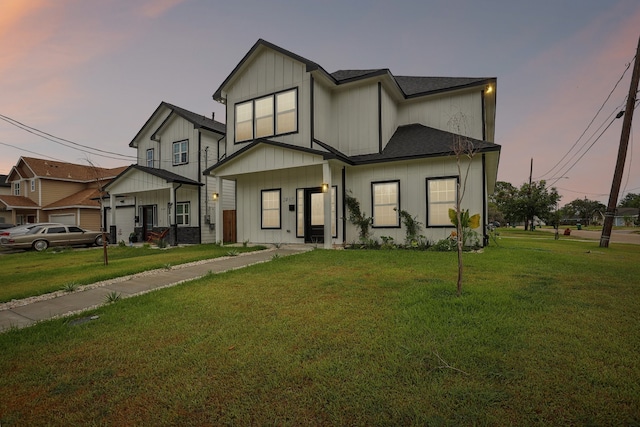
x=631 y=200
x=584 y=209
x=528 y=201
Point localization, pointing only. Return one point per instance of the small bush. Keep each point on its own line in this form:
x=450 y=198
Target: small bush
x=70 y=287
x=444 y=245
x=112 y=297
x=162 y=243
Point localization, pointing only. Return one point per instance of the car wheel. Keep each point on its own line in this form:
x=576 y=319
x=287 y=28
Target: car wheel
x=99 y=241
x=40 y=245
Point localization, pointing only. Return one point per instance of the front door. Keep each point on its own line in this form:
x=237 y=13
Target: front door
x=147 y=221
x=313 y=215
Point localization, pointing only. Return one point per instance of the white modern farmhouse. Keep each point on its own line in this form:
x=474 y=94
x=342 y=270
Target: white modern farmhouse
x=300 y=139
x=165 y=193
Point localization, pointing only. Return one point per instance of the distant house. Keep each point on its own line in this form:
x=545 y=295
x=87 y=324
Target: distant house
x=52 y=191
x=165 y=191
x=300 y=139
x=626 y=217
x=5 y=190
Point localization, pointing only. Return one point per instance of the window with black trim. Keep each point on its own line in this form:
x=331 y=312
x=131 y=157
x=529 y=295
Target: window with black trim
x=270 y=207
x=274 y=114
x=183 y=211
x=181 y=152
x=441 y=196
x=385 y=198
x=150 y=158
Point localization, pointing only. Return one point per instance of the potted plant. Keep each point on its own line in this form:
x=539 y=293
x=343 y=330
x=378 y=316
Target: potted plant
x=133 y=237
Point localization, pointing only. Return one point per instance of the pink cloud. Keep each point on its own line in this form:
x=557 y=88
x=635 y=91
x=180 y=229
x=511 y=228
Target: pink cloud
x=156 y=8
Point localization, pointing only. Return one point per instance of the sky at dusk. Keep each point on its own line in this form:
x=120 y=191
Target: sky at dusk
x=93 y=71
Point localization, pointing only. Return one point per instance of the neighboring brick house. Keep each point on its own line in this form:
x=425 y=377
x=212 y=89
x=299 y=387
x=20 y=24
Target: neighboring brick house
x=51 y=191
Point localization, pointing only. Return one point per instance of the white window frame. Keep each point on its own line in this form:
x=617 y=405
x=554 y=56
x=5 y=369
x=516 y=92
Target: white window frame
x=255 y=111
x=33 y=185
x=382 y=201
x=180 y=157
x=268 y=208
x=150 y=159
x=440 y=199
x=16 y=188
x=183 y=218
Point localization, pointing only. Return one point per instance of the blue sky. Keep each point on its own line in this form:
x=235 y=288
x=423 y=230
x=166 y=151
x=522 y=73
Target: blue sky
x=93 y=71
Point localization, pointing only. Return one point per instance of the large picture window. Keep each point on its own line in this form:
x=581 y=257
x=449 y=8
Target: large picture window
x=274 y=114
x=270 y=208
x=441 y=196
x=183 y=211
x=386 y=203
x=180 y=152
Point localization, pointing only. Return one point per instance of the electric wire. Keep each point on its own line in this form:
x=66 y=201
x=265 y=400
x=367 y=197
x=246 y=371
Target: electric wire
x=57 y=140
x=591 y=122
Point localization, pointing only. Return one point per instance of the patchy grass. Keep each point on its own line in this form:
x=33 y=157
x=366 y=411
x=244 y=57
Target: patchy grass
x=546 y=333
x=28 y=274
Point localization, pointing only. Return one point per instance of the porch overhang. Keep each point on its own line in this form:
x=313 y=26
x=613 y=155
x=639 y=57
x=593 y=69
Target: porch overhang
x=140 y=179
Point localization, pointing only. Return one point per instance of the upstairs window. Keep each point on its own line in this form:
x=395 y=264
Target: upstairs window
x=150 y=158
x=33 y=185
x=441 y=196
x=271 y=115
x=180 y=152
x=386 y=203
x=16 y=188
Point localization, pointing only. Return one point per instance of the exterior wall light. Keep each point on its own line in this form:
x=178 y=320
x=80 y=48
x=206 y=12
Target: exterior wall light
x=215 y=196
x=325 y=187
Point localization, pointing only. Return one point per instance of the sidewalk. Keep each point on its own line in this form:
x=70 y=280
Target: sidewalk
x=23 y=313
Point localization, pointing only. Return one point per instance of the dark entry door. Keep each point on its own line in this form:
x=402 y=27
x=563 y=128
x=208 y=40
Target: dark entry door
x=313 y=215
x=147 y=221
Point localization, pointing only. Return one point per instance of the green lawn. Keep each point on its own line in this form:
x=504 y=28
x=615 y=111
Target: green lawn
x=546 y=333
x=26 y=274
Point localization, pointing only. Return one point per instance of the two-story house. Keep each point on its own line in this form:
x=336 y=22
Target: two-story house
x=299 y=139
x=166 y=191
x=52 y=191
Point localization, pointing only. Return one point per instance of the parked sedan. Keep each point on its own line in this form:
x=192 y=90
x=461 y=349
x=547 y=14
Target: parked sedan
x=19 y=230
x=42 y=237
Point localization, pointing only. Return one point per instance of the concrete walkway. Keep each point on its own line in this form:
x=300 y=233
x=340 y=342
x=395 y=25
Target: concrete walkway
x=27 y=312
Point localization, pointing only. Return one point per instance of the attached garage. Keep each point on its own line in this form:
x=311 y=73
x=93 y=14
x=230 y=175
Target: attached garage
x=66 y=219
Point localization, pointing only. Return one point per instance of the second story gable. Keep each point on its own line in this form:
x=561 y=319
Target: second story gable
x=179 y=141
x=277 y=95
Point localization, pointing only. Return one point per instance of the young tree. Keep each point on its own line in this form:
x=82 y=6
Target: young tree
x=463 y=149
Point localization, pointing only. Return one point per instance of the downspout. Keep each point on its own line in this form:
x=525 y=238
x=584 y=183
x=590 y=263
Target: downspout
x=311 y=112
x=344 y=208
x=485 y=210
x=379 y=117
x=175 y=215
x=199 y=189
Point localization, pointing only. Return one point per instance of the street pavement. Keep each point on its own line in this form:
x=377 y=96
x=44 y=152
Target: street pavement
x=617 y=236
x=27 y=312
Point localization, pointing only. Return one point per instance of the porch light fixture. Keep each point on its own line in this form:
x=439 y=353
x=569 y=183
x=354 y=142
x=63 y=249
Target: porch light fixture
x=215 y=196
x=489 y=89
x=325 y=187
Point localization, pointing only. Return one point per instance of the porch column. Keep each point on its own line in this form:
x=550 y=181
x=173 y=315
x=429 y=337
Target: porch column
x=171 y=214
x=326 y=179
x=217 y=211
x=113 y=235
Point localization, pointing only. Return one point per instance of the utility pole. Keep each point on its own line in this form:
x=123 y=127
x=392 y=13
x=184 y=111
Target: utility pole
x=530 y=202
x=622 y=153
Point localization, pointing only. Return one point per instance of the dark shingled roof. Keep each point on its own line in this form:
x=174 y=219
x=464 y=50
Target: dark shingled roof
x=160 y=173
x=197 y=119
x=418 y=141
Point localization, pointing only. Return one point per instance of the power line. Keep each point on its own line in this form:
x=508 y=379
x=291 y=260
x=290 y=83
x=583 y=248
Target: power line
x=591 y=122
x=57 y=140
x=32 y=152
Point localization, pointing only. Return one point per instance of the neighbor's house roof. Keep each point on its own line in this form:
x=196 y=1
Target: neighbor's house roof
x=3 y=181
x=409 y=86
x=622 y=212
x=12 y=202
x=198 y=120
x=31 y=167
x=82 y=199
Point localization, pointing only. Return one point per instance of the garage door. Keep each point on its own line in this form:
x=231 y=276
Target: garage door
x=66 y=219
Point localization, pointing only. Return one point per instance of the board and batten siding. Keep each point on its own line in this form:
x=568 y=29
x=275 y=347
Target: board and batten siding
x=413 y=192
x=389 y=116
x=288 y=181
x=438 y=111
x=144 y=142
x=354 y=120
x=267 y=73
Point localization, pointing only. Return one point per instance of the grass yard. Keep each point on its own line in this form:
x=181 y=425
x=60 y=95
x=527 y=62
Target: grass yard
x=546 y=333
x=26 y=274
